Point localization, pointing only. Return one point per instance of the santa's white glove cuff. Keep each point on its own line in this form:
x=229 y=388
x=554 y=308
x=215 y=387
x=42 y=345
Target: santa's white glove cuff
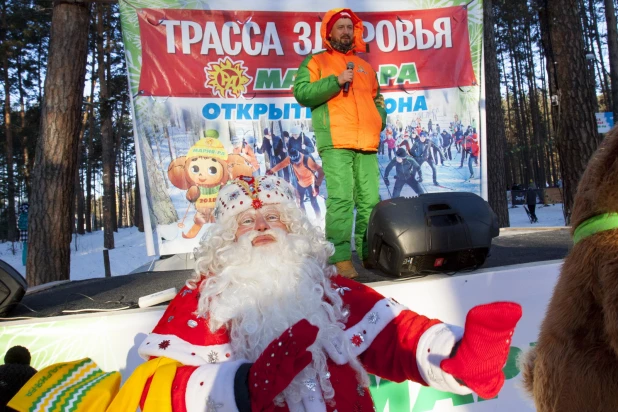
x=435 y=345
x=211 y=387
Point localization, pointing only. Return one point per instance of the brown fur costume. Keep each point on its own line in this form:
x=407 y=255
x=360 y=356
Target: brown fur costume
x=574 y=366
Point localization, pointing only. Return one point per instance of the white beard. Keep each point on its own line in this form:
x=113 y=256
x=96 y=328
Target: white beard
x=274 y=287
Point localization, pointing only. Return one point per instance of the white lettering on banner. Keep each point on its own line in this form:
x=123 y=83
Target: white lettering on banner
x=225 y=36
x=390 y=36
x=402 y=35
x=211 y=40
x=442 y=26
x=304 y=29
x=425 y=39
x=246 y=38
x=371 y=33
x=406 y=36
x=318 y=38
x=271 y=40
x=169 y=34
x=192 y=33
x=187 y=39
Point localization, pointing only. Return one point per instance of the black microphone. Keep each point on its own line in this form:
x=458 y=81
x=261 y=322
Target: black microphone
x=346 y=86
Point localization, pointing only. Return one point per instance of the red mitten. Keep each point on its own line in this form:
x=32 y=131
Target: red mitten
x=484 y=348
x=279 y=364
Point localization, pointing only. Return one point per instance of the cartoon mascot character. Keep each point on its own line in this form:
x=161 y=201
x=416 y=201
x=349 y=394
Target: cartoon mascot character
x=201 y=173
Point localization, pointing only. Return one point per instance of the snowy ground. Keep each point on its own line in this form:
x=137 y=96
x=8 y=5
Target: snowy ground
x=130 y=251
x=549 y=216
x=87 y=260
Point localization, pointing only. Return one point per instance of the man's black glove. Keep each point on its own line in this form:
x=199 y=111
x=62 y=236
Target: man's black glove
x=386 y=182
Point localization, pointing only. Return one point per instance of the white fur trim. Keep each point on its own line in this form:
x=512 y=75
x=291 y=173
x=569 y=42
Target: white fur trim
x=436 y=344
x=183 y=351
x=211 y=388
x=362 y=335
x=234 y=198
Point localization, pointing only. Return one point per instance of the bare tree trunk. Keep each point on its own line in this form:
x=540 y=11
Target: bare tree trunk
x=10 y=180
x=596 y=40
x=612 y=47
x=89 y=173
x=79 y=187
x=107 y=140
x=538 y=129
x=576 y=135
x=130 y=200
x=137 y=217
x=588 y=38
x=550 y=61
x=95 y=216
x=519 y=124
x=496 y=136
x=22 y=127
x=118 y=159
x=51 y=206
x=120 y=191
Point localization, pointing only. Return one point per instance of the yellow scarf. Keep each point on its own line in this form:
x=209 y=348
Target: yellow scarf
x=159 y=397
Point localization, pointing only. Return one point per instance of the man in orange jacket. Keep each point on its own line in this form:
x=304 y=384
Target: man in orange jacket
x=347 y=121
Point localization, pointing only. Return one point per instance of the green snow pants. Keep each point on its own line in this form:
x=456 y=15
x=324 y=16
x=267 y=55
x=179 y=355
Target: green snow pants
x=352 y=179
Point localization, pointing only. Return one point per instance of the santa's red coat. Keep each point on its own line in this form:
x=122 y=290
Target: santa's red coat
x=391 y=341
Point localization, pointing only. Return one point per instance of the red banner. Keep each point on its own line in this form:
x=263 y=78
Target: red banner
x=214 y=53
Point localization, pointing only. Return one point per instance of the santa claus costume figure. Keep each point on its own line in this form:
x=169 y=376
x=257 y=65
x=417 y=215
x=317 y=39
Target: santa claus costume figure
x=266 y=324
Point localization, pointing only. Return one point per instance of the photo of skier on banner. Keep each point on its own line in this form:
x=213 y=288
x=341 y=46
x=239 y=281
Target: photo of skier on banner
x=242 y=148
x=309 y=176
x=421 y=153
x=406 y=170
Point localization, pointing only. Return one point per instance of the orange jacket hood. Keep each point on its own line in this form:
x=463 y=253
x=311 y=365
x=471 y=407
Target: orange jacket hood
x=359 y=44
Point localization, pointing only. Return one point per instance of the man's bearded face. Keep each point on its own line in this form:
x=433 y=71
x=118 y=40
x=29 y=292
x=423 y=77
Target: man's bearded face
x=342 y=34
x=256 y=223
x=343 y=31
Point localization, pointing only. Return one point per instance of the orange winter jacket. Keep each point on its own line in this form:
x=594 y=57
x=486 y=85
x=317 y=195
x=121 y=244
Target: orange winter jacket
x=305 y=170
x=350 y=120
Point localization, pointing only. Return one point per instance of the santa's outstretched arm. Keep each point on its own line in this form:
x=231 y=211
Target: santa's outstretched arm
x=398 y=344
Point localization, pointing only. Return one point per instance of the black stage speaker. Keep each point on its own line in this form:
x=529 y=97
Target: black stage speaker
x=12 y=287
x=434 y=232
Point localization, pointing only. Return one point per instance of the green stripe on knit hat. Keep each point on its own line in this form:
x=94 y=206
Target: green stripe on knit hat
x=596 y=224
